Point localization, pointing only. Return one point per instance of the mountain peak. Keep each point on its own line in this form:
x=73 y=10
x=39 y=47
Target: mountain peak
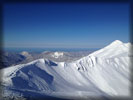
x=117 y=42
x=115 y=48
x=24 y=53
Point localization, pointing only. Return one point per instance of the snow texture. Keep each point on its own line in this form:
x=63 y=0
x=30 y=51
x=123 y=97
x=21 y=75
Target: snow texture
x=102 y=73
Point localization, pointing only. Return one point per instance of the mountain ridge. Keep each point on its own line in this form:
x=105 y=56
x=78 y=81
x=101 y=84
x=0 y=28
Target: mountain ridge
x=89 y=76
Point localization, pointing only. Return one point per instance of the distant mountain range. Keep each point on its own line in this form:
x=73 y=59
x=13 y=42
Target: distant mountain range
x=14 y=58
x=103 y=73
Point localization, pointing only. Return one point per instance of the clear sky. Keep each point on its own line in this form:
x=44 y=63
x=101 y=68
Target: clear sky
x=65 y=25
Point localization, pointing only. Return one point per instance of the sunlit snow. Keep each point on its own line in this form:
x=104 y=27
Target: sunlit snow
x=105 y=72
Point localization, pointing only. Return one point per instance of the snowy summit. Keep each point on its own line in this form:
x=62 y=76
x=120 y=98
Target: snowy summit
x=102 y=73
x=57 y=54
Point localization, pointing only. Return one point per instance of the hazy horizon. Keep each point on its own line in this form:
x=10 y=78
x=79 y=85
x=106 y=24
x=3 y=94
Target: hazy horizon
x=48 y=49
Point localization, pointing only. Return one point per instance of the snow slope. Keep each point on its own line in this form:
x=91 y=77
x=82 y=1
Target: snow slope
x=102 y=73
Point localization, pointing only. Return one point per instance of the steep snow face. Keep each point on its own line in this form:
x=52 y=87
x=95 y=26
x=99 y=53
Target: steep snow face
x=112 y=50
x=102 y=73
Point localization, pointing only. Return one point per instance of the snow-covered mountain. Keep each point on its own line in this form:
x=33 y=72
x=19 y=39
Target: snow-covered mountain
x=105 y=72
x=57 y=54
x=15 y=58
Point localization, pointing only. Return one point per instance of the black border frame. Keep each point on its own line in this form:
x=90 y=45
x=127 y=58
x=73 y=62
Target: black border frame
x=2 y=2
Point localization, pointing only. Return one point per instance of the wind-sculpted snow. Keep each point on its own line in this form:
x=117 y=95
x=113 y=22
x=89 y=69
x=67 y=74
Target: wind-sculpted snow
x=102 y=73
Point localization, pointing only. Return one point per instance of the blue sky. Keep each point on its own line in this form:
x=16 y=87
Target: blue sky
x=65 y=25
